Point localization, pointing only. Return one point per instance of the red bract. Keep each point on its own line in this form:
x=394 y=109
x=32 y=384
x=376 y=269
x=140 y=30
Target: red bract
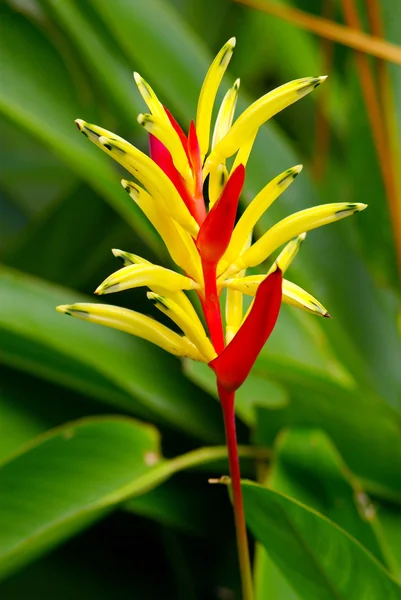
x=162 y=157
x=233 y=365
x=216 y=230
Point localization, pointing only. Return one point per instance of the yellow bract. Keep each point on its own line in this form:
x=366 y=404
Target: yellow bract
x=178 y=241
x=255 y=210
x=134 y=323
x=168 y=136
x=258 y=113
x=226 y=114
x=291 y=226
x=146 y=171
x=208 y=93
x=145 y=275
x=194 y=332
x=150 y=99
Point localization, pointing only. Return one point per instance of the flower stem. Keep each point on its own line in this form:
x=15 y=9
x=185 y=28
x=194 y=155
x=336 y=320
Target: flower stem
x=227 y=403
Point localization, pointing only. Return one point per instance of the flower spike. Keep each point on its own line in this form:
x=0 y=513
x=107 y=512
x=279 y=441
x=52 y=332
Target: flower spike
x=233 y=365
x=210 y=253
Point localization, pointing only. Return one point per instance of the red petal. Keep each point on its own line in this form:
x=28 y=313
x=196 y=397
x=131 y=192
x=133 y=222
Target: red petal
x=233 y=365
x=179 y=130
x=196 y=164
x=161 y=156
x=216 y=230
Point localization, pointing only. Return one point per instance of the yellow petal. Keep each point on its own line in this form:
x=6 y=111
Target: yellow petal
x=217 y=180
x=244 y=152
x=208 y=94
x=145 y=170
x=234 y=313
x=287 y=255
x=178 y=297
x=226 y=114
x=134 y=276
x=194 y=332
x=178 y=241
x=291 y=226
x=150 y=99
x=129 y=259
x=134 y=323
x=262 y=201
x=296 y=296
x=258 y=113
x=292 y=293
x=167 y=135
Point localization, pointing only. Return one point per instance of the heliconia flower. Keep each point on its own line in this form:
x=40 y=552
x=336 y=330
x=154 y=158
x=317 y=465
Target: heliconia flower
x=211 y=252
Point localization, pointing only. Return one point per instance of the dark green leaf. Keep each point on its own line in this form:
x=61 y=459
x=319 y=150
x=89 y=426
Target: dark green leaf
x=318 y=558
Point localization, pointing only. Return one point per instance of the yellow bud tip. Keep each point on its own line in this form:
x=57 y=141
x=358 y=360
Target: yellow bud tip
x=231 y=42
x=80 y=124
x=141 y=119
x=63 y=308
x=137 y=78
x=361 y=206
x=298 y=168
x=237 y=83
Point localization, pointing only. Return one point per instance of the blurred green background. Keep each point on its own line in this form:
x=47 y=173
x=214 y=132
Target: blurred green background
x=333 y=384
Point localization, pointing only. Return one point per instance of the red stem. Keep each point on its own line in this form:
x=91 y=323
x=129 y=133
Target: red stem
x=227 y=402
x=212 y=311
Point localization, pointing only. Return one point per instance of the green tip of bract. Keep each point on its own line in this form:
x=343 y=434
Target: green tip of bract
x=63 y=308
x=320 y=80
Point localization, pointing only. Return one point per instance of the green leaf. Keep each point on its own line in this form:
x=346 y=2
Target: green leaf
x=105 y=62
x=350 y=418
x=25 y=99
x=106 y=364
x=308 y=468
x=85 y=468
x=317 y=557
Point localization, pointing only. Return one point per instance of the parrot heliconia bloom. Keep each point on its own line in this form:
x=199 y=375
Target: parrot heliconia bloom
x=211 y=251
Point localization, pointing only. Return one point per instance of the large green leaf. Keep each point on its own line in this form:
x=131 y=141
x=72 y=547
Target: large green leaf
x=308 y=468
x=351 y=418
x=48 y=113
x=318 y=558
x=71 y=476
x=68 y=479
x=114 y=367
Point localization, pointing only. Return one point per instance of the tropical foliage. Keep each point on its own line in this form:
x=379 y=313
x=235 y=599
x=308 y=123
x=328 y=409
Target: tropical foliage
x=108 y=442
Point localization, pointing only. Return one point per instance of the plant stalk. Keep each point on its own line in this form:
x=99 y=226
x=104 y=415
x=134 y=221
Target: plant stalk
x=212 y=310
x=227 y=403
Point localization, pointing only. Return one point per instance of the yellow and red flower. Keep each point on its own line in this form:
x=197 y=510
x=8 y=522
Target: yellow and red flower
x=211 y=251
